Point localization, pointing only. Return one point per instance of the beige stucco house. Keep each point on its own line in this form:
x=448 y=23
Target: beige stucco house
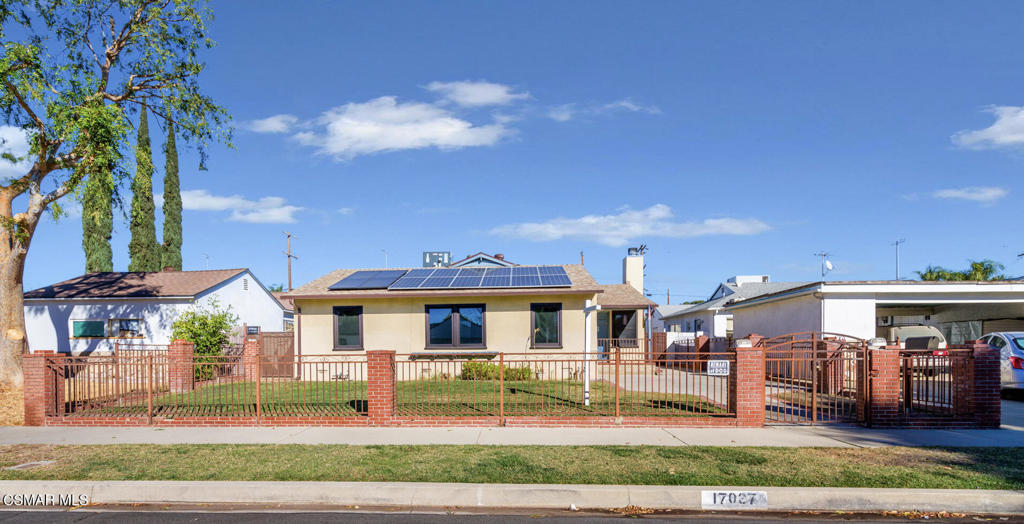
x=458 y=310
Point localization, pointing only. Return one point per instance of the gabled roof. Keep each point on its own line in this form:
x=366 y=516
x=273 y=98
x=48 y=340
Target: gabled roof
x=490 y=258
x=622 y=296
x=738 y=292
x=582 y=283
x=135 y=284
x=286 y=303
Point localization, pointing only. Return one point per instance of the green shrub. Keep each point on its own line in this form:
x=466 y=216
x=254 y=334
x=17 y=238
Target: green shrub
x=209 y=330
x=487 y=371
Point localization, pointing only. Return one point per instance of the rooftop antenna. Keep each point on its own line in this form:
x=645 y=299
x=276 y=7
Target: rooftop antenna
x=581 y=258
x=207 y=260
x=290 y=257
x=385 y=258
x=897 y=244
x=826 y=265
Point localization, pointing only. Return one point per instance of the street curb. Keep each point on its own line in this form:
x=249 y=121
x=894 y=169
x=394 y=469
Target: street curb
x=539 y=496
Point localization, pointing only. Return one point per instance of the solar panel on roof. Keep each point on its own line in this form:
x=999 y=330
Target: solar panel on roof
x=471 y=278
x=555 y=280
x=525 y=281
x=420 y=273
x=497 y=281
x=524 y=271
x=467 y=282
x=368 y=280
x=407 y=283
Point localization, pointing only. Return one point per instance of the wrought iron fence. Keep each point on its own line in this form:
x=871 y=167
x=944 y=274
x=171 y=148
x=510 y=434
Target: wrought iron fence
x=813 y=379
x=936 y=383
x=626 y=383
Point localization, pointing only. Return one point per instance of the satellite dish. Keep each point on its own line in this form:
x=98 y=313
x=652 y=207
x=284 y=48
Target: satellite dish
x=828 y=265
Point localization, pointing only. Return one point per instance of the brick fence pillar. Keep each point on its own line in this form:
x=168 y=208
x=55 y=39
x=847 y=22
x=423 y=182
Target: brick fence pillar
x=181 y=375
x=251 y=349
x=885 y=386
x=746 y=383
x=985 y=396
x=43 y=386
x=380 y=386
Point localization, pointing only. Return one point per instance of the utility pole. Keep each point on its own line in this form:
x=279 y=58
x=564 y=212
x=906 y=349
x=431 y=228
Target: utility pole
x=668 y=296
x=825 y=265
x=897 y=244
x=290 y=257
x=207 y=260
x=581 y=258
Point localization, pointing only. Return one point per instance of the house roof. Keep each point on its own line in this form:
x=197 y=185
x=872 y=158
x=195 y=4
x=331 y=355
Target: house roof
x=286 y=303
x=888 y=290
x=739 y=293
x=622 y=296
x=481 y=254
x=582 y=283
x=135 y=284
x=669 y=310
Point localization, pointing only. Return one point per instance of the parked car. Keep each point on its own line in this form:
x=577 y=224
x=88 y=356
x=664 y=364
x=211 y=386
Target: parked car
x=1011 y=357
x=913 y=337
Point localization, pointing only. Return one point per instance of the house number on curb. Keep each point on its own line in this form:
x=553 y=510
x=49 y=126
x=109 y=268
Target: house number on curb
x=718 y=368
x=733 y=499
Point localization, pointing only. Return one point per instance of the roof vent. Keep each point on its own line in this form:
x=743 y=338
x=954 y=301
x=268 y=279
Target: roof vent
x=499 y=256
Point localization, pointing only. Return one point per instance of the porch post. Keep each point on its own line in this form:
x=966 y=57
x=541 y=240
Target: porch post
x=587 y=310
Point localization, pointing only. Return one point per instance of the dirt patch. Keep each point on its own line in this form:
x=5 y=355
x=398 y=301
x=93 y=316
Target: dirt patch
x=12 y=406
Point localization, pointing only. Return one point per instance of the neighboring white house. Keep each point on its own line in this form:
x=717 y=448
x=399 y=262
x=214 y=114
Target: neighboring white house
x=961 y=310
x=90 y=312
x=710 y=316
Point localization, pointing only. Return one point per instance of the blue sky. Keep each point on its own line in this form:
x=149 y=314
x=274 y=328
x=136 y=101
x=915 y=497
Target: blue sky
x=730 y=137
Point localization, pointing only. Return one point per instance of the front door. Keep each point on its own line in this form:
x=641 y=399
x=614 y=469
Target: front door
x=615 y=329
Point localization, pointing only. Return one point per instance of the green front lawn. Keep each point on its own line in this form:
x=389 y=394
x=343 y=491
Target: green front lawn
x=894 y=467
x=419 y=397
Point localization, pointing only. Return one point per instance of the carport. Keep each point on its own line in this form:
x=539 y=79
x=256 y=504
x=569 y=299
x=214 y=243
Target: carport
x=961 y=310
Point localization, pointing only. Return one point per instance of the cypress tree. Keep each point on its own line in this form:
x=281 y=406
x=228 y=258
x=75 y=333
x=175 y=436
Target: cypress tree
x=171 y=256
x=98 y=220
x=143 y=247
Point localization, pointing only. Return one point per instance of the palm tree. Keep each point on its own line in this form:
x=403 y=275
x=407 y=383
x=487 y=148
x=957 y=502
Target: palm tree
x=980 y=270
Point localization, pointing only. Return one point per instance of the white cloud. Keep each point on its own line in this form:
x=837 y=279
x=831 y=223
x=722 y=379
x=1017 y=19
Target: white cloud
x=346 y=210
x=267 y=210
x=985 y=195
x=476 y=94
x=566 y=112
x=627 y=104
x=384 y=124
x=274 y=124
x=13 y=140
x=629 y=226
x=562 y=113
x=1006 y=132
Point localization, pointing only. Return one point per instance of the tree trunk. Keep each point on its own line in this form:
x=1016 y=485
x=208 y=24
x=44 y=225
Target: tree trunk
x=15 y=236
x=13 y=341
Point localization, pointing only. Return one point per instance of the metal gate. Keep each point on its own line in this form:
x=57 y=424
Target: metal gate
x=277 y=352
x=815 y=378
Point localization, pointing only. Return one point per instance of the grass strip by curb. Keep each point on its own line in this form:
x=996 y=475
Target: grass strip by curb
x=896 y=467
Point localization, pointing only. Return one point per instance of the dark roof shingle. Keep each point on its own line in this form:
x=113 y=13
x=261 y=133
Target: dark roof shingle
x=136 y=284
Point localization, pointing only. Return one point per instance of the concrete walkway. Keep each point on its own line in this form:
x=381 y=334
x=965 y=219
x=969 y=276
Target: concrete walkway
x=1011 y=435
x=792 y=436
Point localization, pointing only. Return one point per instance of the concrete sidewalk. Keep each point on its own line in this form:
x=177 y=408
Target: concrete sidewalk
x=278 y=495
x=788 y=436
